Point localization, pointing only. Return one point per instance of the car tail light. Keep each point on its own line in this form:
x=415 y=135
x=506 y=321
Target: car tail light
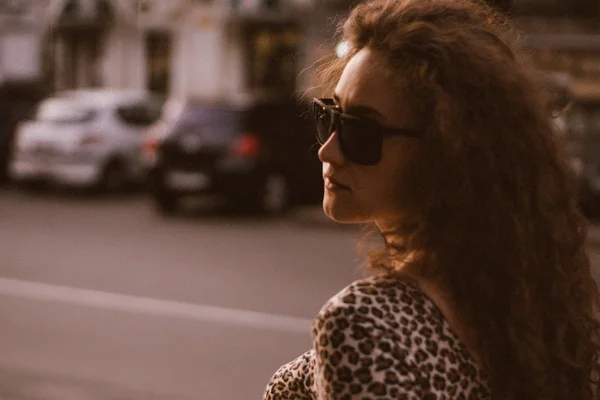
x=150 y=145
x=247 y=146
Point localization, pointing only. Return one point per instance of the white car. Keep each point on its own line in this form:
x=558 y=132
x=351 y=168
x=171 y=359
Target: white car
x=85 y=138
x=158 y=131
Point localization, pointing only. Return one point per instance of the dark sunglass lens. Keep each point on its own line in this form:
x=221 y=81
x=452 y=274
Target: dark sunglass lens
x=322 y=118
x=361 y=141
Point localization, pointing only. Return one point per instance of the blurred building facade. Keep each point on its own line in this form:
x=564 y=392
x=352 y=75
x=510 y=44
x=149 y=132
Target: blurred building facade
x=201 y=48
x=22 y=29
x=214 y=47
x=559 y=36
x=563 y=36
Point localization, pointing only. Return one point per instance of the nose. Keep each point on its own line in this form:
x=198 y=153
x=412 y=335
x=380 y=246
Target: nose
x=330 y=151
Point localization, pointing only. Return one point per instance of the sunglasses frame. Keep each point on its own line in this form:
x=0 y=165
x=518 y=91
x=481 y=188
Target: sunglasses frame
x=337 y=117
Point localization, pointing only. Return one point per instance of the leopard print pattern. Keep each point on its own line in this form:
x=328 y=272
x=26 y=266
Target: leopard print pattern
x=381 y=338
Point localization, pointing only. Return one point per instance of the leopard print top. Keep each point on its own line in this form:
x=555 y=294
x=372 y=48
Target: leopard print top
x=380 y=338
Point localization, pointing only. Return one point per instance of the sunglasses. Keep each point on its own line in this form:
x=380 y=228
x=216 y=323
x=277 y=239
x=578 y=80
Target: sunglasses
x=360 y=139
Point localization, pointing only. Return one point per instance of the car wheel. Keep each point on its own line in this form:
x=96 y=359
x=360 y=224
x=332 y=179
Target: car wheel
x=114 y=178
x=274 y=197
x=165 y=203
x=32 y=186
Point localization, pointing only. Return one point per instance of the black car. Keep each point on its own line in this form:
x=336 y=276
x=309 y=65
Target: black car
x=260 y=156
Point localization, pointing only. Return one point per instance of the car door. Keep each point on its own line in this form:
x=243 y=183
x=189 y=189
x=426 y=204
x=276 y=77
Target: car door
x=294 y=153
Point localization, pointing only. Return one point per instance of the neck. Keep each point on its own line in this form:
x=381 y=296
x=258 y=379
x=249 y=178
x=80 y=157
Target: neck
x=387 y=226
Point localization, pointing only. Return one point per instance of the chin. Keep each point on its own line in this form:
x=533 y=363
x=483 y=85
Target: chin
x=344 y=212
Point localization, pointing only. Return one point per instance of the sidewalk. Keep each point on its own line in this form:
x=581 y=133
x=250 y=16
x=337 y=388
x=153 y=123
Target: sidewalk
x=24 y=385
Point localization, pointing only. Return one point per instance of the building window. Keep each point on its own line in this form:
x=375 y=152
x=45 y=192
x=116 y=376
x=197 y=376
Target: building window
x=272 y=57
x=75 y=59
x=158 y=53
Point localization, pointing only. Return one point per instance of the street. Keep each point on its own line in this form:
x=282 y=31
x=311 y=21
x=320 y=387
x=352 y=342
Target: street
x=183 y=330
x=101 y=298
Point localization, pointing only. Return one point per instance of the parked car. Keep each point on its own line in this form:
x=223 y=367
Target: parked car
x=154 y=133
x=85 y=138
x=254 y=154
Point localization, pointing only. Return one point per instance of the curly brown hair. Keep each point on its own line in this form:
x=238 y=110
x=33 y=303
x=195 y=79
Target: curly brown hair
x=493 y=211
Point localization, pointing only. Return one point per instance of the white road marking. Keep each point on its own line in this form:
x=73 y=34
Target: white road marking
x=151 y=306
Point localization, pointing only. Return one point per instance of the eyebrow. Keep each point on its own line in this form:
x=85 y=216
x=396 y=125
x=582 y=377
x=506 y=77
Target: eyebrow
x=359 y=110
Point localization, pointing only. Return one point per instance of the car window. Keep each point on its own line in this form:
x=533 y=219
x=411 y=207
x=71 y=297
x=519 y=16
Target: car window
x=139 y=114
x=207 y=114
x=214 y=124
x=202 y=115
x=64 y=111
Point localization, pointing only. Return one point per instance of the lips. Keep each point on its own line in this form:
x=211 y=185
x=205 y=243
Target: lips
x=332 y=183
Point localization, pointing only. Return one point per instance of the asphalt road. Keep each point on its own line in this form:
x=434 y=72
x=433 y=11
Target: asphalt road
x=103 y=299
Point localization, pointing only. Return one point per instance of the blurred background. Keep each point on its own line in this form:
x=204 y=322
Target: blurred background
x=161 y=226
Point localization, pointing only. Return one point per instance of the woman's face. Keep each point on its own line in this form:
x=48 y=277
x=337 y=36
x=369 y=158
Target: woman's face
x=368 y=89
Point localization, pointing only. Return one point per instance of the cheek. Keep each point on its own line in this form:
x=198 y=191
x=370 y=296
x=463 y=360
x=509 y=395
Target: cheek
x=348 y=207
x=376 y=190
x=373 y=197
x=381 y=190
x=388 y=184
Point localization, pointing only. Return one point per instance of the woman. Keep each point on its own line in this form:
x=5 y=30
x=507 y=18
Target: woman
x=437 y=133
